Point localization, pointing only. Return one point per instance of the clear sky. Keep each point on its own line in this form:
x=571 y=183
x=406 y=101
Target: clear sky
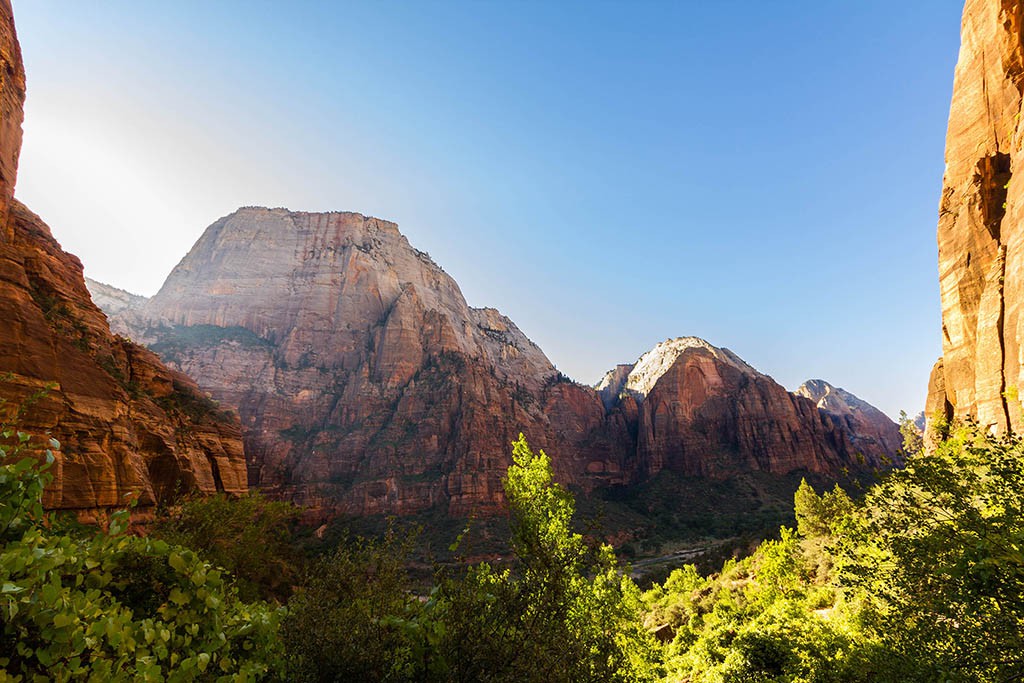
x=765 y=175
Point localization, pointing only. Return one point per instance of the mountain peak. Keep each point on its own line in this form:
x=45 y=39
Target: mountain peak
x=648 y=369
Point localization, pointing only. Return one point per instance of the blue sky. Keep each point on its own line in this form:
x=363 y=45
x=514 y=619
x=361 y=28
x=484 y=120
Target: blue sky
x=609 y=175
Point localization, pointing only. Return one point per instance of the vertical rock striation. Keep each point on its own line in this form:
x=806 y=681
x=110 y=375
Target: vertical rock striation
x=12 y=100
x=364 y=381
x=980 y=238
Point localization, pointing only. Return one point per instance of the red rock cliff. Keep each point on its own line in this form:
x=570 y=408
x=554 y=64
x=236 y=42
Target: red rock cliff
x=980 y=234
x=128 y=426
x=12 y=100
x=366 y=384
x=364 y=381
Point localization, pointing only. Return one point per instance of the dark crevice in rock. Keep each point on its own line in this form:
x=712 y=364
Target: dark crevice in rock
x=1000 y=333
x=218 y=483
x=992 y=178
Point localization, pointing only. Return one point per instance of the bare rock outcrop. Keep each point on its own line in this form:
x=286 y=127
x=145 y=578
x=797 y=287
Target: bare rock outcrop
x=364 y=381
x=129 y=427
x=871 y=431
x=703 y=411
x=980 y=238
x=366 y=384
x=12 y=101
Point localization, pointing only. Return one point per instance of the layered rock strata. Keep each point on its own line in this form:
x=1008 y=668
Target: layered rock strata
x=980 y=238
x=12 y=100
x=366 y=384
x=129 y=428
x=363 y=379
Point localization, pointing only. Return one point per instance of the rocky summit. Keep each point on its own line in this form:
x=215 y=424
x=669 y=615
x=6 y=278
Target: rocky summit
x=129 y=428
x=980 y=235
x=366 y=384
x=703 y=411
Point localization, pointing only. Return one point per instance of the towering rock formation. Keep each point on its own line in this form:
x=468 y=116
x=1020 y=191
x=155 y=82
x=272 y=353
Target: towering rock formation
x=128 y=426
x=12 y=100
x=980 y=234
x=703 y=411
x=364 y=381
x=366 y=384
x=871 y=430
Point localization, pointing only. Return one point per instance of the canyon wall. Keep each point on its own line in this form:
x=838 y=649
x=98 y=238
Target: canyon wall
x=12 y=100
x=366 y=384
x=981 y=243
x=129 y=428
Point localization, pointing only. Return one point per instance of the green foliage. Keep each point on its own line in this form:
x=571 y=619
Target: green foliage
x=939 y=547
x=921 y=581
x=913 y=440
x=175 y=342
x=563 y=612
x=110 y=606
x=759 y=619
x=249 y=536
x=353 y=618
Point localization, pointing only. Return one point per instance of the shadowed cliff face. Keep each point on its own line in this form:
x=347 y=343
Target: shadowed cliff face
x=366 y=384
x=981 y=243
x=128 y=426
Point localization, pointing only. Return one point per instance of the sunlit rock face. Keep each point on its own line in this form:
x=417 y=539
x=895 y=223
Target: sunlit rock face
x=129 y=428
x=12 y=100
x=703 y=411
x=980 y=239
x=871 y=431
x=364 y=381
x=366 y=384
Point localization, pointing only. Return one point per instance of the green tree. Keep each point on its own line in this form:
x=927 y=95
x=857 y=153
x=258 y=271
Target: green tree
x=250 y=536
x=354 y=616
x=939 y=548
x=562 y=612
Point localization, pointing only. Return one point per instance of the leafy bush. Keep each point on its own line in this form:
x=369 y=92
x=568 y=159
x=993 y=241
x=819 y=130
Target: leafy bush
x=113 y=607
x=250 y=536
x=921 y=581
x=350 y=618
x=939 y=548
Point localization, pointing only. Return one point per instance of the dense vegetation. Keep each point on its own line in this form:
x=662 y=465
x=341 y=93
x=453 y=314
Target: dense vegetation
x=919 y=580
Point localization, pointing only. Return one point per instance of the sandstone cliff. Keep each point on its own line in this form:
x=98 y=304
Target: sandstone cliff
x=128 y=426
x=981 y=242
x=12 y=100
x=871 y=431
x=703 y=411
x=366 y=384
x=364 y=381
